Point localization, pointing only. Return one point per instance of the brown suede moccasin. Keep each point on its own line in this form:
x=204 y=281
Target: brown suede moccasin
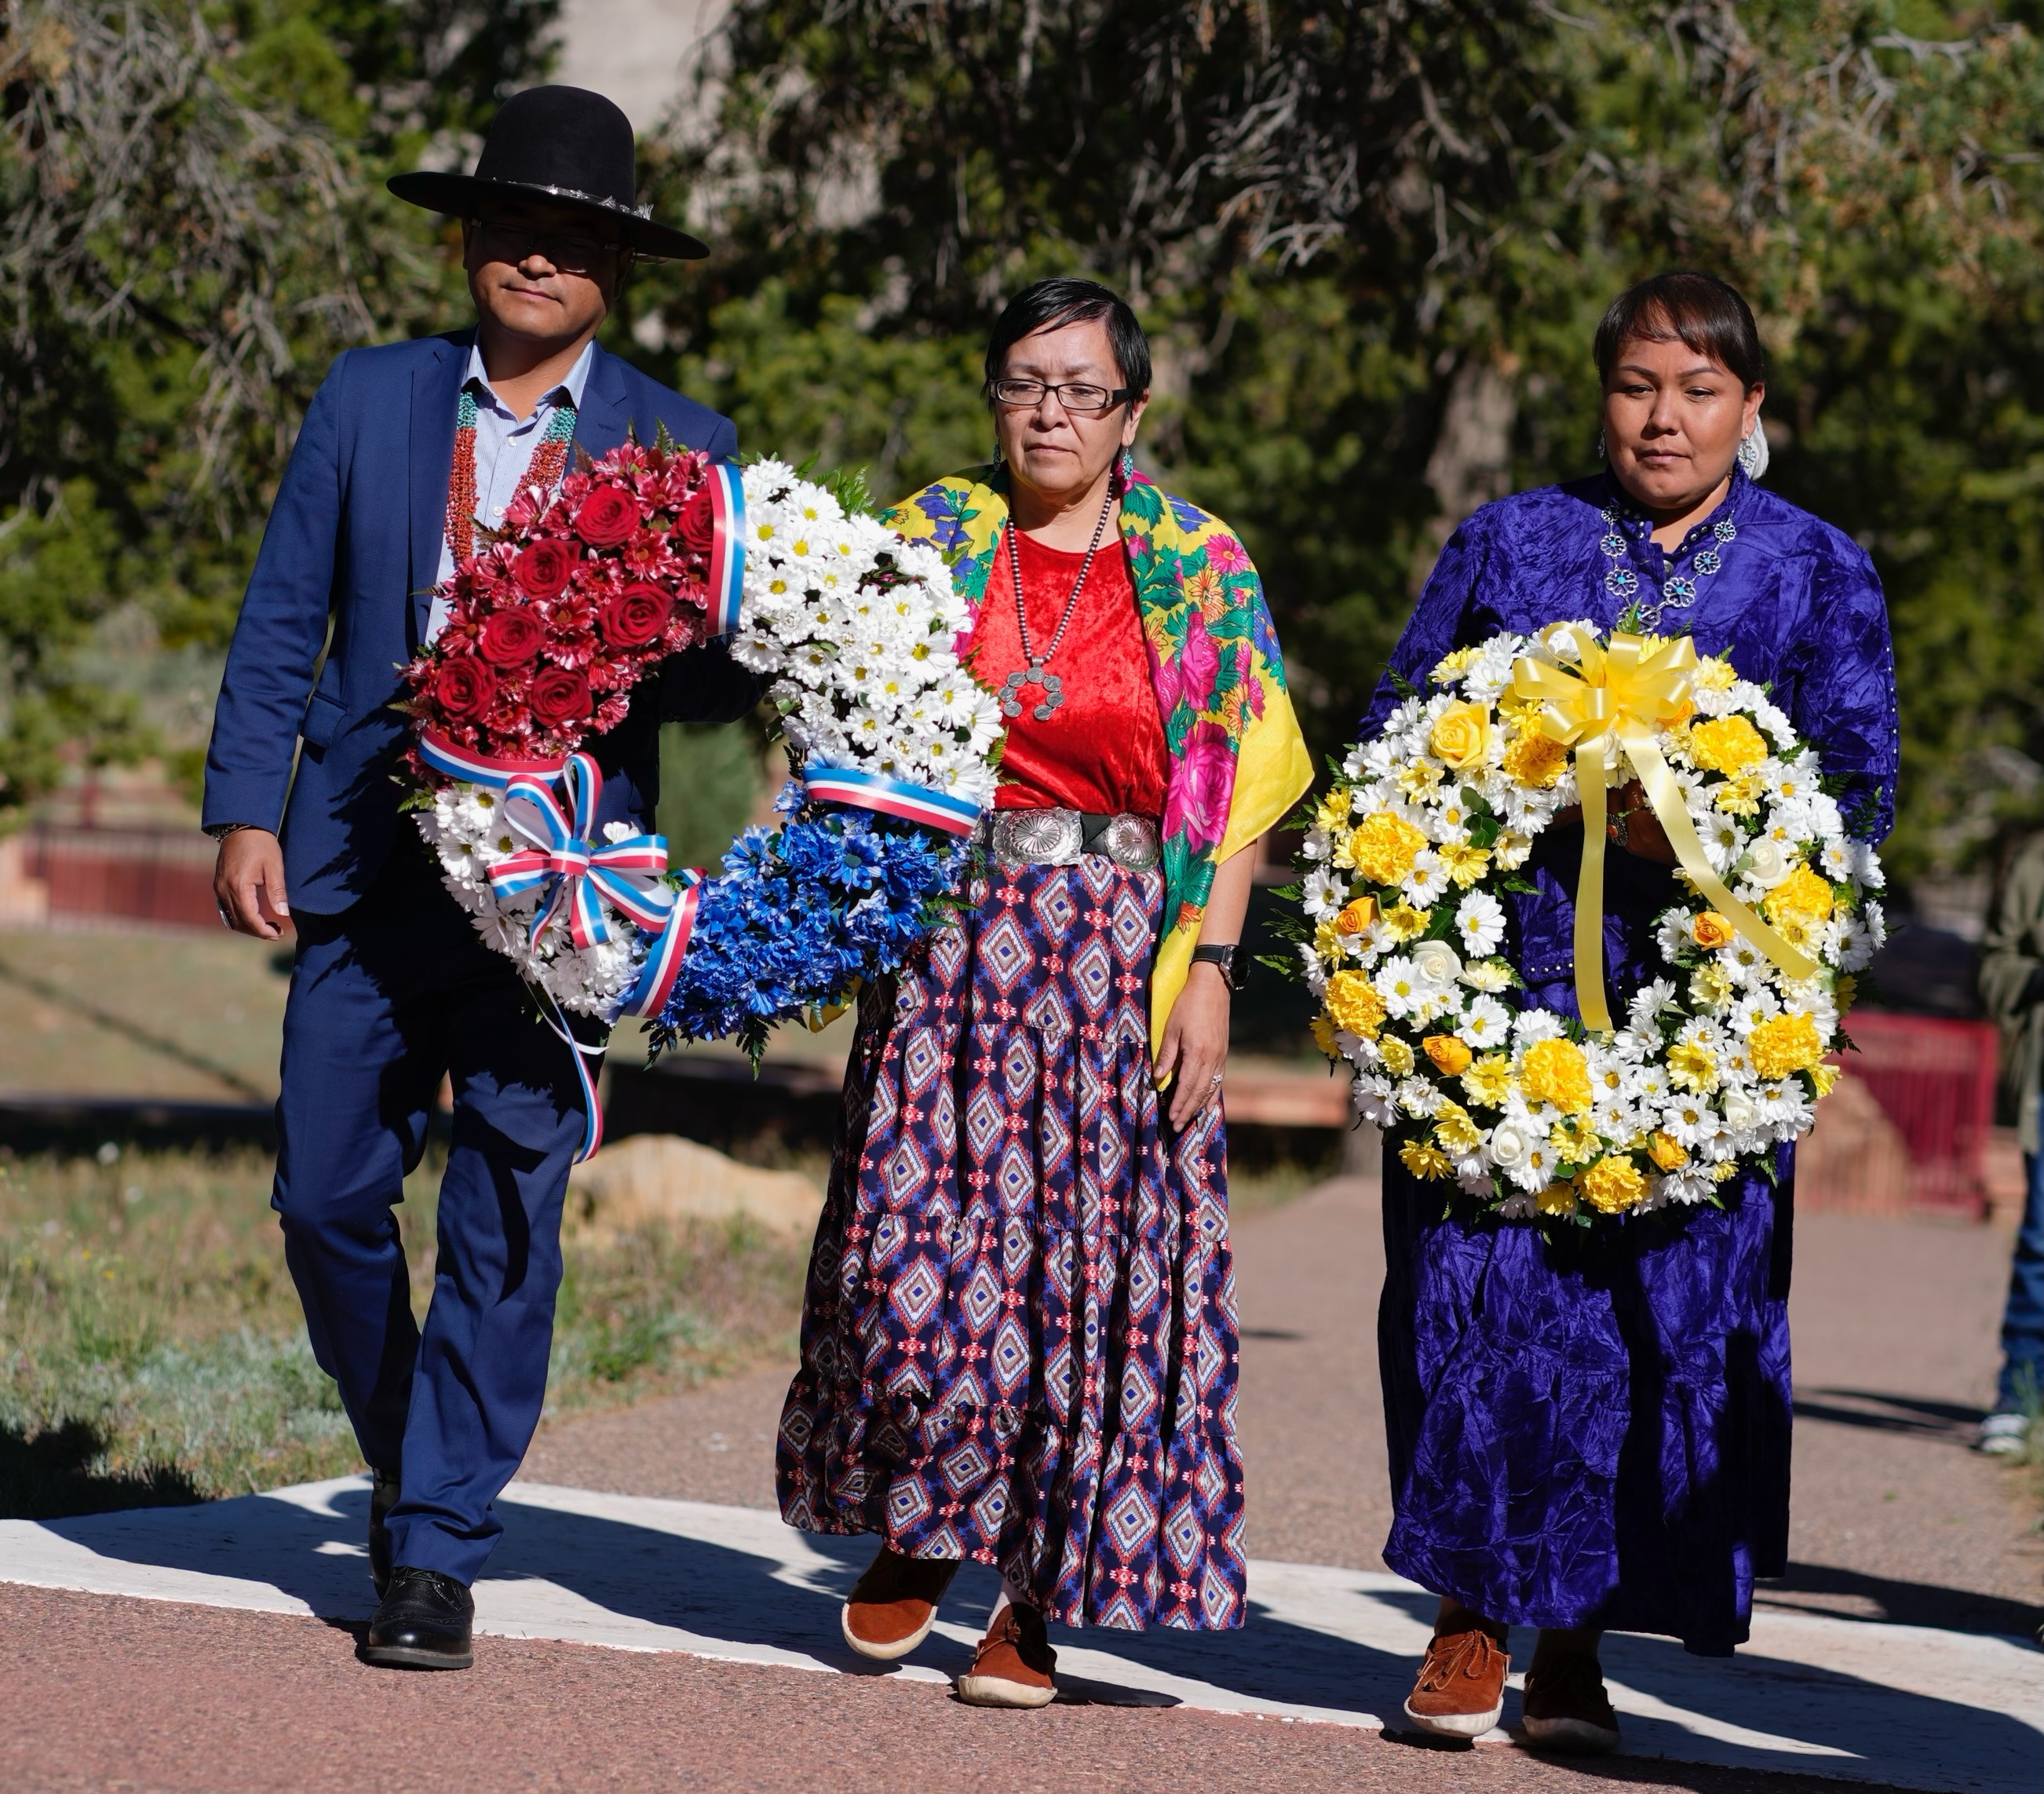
x=1014 y=1664
x=892 y=1605
x=1566 y=1707
x=1460 y=1690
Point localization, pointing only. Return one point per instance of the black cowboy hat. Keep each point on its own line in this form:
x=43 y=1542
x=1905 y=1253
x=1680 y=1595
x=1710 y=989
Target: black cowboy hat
x=566 y=147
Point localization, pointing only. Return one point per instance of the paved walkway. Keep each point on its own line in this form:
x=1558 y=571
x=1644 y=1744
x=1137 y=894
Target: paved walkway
x=1895 y=1521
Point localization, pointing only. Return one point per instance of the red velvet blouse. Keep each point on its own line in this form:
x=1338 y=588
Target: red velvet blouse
x=1102 y=750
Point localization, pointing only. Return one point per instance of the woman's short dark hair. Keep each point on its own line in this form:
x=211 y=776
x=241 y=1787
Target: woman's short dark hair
x=1067 y=299
x=1701 y=310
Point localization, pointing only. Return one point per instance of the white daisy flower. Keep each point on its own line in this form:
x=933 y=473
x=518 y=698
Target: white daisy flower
x=1480 y=921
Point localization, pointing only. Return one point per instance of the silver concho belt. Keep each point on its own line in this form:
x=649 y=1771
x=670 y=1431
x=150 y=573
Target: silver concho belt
x=1058 y=838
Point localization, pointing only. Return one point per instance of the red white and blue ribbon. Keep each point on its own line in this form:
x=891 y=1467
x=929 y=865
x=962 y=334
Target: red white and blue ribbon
x=892 y=797
x=465 y=764
x=727 y=549
x=592 y=1104
x=664 y=954
x=575 y=876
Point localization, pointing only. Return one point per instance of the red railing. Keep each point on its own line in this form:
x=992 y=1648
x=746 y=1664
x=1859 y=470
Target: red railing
x=161 y=875
x=1934 y=1079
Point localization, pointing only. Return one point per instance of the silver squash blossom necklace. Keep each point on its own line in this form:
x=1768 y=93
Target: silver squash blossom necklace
x=1038 y=673
x=1678 y=592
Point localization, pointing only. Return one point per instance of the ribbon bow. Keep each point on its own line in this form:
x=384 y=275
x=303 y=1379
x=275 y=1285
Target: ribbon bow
x=1607 y=704
x=571 y=872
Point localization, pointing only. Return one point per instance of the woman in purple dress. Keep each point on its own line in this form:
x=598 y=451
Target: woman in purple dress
x=1590 y=1428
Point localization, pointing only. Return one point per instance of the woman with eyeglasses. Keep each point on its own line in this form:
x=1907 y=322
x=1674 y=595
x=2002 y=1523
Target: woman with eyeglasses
x=1018 y=1340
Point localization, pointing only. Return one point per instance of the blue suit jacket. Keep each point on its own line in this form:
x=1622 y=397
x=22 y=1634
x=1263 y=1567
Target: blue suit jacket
x=354 y=540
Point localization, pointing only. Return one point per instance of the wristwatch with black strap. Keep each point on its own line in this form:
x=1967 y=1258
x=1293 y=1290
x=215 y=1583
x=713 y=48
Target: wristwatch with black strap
x=1234 y=968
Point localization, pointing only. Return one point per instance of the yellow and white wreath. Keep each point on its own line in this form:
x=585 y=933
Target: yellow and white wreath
x=1718 y=1055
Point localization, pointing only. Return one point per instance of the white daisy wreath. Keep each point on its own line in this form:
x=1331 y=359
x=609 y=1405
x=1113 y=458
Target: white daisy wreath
x=1719 y=1056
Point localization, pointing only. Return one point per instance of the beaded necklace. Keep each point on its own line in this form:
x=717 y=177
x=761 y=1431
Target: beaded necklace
x=1678 y=592
x=549 y=462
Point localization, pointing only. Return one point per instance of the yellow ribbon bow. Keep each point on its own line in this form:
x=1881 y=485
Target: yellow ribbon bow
x=1596 y=700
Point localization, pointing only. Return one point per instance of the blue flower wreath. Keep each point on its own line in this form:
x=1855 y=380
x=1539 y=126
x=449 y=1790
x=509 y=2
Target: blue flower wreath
x=800 y=915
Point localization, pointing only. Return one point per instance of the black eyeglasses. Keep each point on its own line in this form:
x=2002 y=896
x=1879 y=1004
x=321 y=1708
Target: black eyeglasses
x=1078 y=398
x=571 y=255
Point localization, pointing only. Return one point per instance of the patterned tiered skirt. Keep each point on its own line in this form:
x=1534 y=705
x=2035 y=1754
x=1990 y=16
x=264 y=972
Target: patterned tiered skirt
x=1018 y=1340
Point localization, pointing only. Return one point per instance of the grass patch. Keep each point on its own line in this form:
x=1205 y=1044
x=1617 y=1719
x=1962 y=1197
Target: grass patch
x=153 y=1350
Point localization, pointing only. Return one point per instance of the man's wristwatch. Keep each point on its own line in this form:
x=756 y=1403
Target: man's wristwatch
x=1234 y=968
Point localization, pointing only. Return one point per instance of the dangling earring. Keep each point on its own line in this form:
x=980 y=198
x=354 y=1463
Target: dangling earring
x=1599 y=444
x=1125 y=470
x=1752 y=452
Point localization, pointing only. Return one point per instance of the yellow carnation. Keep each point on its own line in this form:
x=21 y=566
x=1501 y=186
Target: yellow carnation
x=1536 y=760
x=1667 y=1151
x=1488 y=1081
x=1554 y=1071
x=1727 y=744
x=1714 y=675
x=1801 y=897
x=1788 y=1043
x=1354 y=1004
x=1356 y=915
x=1397 y=1057
x=1449 y=1054
x=1424 y=1160
x=1557 y=1198
x=1611 y=1185
x=1383 y=848
x=1711 y=929
x=1693 y=1067
x=1461 y=736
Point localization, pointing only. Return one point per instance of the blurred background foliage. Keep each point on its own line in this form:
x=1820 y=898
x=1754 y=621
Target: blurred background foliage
x=1370 y=237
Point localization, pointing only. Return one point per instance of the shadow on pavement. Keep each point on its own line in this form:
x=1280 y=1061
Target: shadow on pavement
x=558 y=1570
x=1910 y=1414
x=1901 y=1603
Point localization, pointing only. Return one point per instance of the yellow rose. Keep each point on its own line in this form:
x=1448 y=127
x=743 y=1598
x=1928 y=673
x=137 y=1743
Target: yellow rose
x=1397 y=1057
x=1554 y=1071
x=1557 y=1198
x=1423 y=1160
x=1727 y=744
x=1450 y=1055
x=1356 y=915
x=1801 y=897
x=1667 y=1151
x=1461 y=736
x=1383 y=848
x=1535 y=760
x=1488 y=1081
x=1353 y=1005
x=1711 y=929
x=1788 y=1043
x=1611 y=1185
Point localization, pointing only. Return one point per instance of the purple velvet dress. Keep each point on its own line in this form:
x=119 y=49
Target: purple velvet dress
x=1591 y=1426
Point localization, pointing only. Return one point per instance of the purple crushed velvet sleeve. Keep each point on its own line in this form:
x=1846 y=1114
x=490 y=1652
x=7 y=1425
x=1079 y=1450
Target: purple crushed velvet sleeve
x=1844 y=704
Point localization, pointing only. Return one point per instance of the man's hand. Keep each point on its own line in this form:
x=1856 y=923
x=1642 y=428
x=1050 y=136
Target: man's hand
x=248 y=883
x=1196 y=1042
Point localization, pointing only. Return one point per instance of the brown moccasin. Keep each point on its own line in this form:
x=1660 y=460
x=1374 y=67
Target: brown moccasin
x=1460 y=1690
x=892 y=1605
x=1566 y=1707
x=1014 y=1664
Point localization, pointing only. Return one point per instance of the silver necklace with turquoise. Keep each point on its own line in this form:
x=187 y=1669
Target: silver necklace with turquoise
x=1678 y=591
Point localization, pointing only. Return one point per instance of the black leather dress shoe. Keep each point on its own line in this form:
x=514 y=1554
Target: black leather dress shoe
x=424 y=1623
x=383 y=1498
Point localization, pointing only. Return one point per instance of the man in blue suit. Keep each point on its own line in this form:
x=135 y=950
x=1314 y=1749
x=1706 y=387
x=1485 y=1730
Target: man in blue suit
x=392 y=988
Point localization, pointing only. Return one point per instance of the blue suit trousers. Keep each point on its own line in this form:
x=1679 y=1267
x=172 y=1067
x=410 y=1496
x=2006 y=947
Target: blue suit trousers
x=386 y=997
